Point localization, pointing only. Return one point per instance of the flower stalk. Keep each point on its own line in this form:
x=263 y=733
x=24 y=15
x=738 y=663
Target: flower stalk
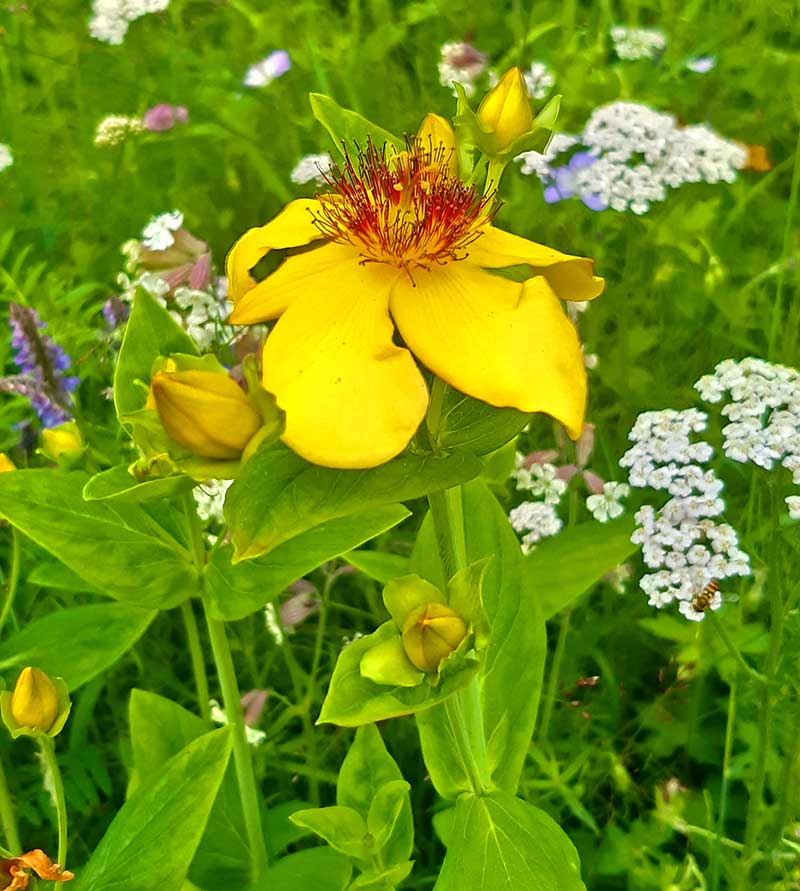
x=55 y=784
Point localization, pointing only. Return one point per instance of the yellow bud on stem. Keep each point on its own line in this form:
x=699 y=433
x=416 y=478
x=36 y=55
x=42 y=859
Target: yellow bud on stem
x=431 y=633
x=506 y=110
x=205 y=411
x=35 y=700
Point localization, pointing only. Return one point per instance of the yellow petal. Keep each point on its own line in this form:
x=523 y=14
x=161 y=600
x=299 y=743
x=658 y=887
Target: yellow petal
x=506 y=343
x=271 y=297
x=292 y=227
x=572 y=278
x=352 y=398
x=437 y=132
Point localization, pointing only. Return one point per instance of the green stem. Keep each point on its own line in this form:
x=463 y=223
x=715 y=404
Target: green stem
x=48 y=750
x=716 y=852
x=13 y=578
x=789 y=778
x=198 y=661
x=733 y=649
x=243 y=762
x=553 y=677
x=8 y=819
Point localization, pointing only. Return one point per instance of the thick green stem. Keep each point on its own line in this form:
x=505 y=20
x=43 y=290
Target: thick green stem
x=13 y=579
x=243 y=762
x=198 y=661
x=8 y=819
x=56 y=785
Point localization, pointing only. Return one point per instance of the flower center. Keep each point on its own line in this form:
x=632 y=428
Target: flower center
x=402 y=208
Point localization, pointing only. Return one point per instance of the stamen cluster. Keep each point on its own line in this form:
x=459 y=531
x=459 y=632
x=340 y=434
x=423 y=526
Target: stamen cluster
x=402 y=208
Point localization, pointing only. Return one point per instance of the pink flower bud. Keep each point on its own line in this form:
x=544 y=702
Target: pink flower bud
x=164 y=117
x=585 y=445
x=593 y=482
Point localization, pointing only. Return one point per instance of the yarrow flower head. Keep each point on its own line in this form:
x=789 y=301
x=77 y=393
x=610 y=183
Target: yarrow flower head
x=6 y=158
x=461 y=63
x=111 y=18
x=403 y=243
x=115 y=129
x=637 y=43
x=534 y=520
x=262 y=73
x=311 y=168
x=42 y=365
x=681 y=541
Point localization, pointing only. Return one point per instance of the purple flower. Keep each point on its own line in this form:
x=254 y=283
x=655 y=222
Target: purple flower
x=164 y=117
x=564 y=182
x=115 y=312
x=42 y=365
x=264 y=72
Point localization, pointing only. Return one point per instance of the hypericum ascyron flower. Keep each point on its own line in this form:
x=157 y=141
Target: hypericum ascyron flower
x=406 y=245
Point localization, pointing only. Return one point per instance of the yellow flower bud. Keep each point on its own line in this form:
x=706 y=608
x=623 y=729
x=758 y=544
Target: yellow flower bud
x=6 y=463
x=63 y=440
x=35 y=700
x=431 y=633
x=506 y=110
x=205 y=411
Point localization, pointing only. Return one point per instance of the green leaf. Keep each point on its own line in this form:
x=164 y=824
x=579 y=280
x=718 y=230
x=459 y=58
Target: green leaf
x=54 y=574
x=385 y=880
x=159 y=730
x=320 y=869
x=150 y=332
x=76 y=644
x=510 y=685
x=235 y=591
x=468 y=423
x=153 y=837
x=344 y=829
x=367 y=769
x=387 y=663
x=378 y=565
x=348 y=126
x=565 y=566
x=385 y=811
x=279 y=495
x=353 y=700
x=505 y=844
x=279 y=830
x=111 y=548
x=119 y=483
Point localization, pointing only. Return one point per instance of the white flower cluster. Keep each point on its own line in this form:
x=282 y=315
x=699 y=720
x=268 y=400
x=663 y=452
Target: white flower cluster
x=6 y=158
x=682 y=542
x=115 y=129
x=111 y=18
x=606 y=506
x=539 y=80
x=460 y=63
x=535 y=520
x=763 y=411
x=311 y=168
x=157 y=234
x=642 y=153
x=210 y=498
x=637 y=43
x=203 y=316
x=540 y=162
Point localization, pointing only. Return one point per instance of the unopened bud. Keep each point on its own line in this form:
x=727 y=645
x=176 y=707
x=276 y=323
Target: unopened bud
x=35 y=701
x=205 y=411
x=506 y=110
x=63 y=440
x=431 y=633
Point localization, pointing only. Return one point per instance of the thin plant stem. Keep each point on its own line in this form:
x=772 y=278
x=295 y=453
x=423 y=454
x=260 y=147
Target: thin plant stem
x=198 y=661
x=717 y=625
x=13 y=578
x=716 y=851
x=788 y=239
x=53 y=779
x=789 y=777
x=552 y=678
x=8 y=818
x=242 y=757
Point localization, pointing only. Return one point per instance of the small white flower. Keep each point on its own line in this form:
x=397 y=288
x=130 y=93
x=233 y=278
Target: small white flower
x=539 y=80
x=607 y=506
x=157 y=234
x=262 y=73
x=637 y=43
x=793 y=503
x=535 y=518
x=6 y=158
x=311 y=168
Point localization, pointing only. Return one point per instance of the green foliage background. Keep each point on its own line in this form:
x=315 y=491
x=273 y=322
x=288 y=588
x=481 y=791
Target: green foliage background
x=708 y=274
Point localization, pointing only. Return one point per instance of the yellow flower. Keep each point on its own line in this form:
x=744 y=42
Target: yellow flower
x=35 y=700
x=204 y=411
x=405 y=250
x=6 y=463
x=506 y=110
x=431 y=633
x=63 y=440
